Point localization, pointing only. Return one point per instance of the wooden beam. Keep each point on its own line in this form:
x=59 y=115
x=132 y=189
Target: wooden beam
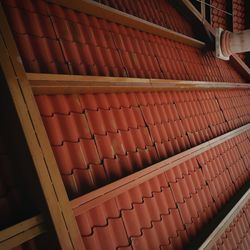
x=37 y=140
x=76 y=84
x=183 y=84
x=192 y=9
x=220 y=229
x=208 y=10
x=99 y=10
x=96 y=197
x=237 y=62
x=203 y=9
x=21 y=232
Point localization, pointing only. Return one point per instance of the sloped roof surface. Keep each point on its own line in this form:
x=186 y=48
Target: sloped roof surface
x=170 y=209
x=236 y=235
x=52 y=39
x=100 y=138
x=160 y=12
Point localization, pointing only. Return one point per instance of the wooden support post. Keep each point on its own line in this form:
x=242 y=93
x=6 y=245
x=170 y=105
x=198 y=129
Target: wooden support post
x=72 y=84
x=203 y=9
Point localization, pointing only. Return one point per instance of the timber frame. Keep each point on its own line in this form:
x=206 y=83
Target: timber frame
x=23 y=86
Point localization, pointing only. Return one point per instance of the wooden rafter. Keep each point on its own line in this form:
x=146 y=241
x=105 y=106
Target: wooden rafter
x=26 y=230
x=37 y=140
x=203 y=9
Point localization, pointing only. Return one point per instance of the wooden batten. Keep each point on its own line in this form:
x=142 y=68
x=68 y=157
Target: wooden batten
x=220 y=229
x=94 y=198
x=26 y=230
x=77 y=84
x=99 y=10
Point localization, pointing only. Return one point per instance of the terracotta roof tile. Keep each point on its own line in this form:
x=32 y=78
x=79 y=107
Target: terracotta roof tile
x=78 y=155
x=65 y=41
x=236 y=234
x=112 y=236
x=66 y=128
x=175 y=204
x=115 y=131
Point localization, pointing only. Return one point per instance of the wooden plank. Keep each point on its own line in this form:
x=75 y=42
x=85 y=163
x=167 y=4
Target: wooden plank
x=20 y=227
x=96 y=197
x=37 y=141
x=183 y=84
x=203 y=9
x=99 y=10
x=220 y=229
x=237 y=62
x=23 y=237
x=21 y=232
x=192 y=9
x=74 y=84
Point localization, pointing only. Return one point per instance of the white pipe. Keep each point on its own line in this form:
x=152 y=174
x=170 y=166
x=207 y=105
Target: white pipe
x=240 y=41
x=235 y=42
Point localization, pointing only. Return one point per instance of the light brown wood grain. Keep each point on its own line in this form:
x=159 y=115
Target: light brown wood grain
x=237 y=62
x=76 y=84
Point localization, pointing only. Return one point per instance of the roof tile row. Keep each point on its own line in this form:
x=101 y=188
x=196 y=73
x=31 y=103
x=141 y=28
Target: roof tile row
x=105 y=137
x=61 y=40
x=158 y=12
x=166 y=211
x=219 y=16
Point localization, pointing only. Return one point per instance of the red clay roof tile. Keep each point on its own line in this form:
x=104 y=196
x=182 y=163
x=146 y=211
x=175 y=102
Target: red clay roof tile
x=125 y=143
x=80 y=34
